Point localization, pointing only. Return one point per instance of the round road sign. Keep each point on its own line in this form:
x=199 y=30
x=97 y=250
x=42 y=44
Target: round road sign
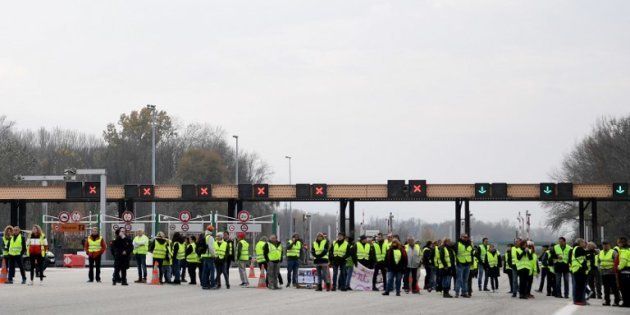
x=128 y=227
x=115 y=227
x=127 y=216
x=57 y=227
x=172 y=227
x=75 y=217
x=184 y=216
x=185 y=227
x=243 y=216
x=244 y=227
x=64 y=217
x=232 y=228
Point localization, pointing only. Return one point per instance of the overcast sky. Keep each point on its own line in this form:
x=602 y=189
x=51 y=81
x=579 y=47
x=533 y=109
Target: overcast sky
x=355 y=91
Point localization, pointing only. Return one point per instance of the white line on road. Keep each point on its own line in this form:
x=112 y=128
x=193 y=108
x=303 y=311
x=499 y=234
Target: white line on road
x=567 y=310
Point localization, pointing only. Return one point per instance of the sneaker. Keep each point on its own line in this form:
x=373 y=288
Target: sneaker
x=397 y=293
x=386 y=293
x=90 y=281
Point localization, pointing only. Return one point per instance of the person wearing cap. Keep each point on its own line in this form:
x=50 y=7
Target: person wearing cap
x=220 y=260
x=242 y=253
x=159 y=248
x=380 y=250
x=273 y=255
x=294 y=250
x=207 y=253
x=365 y=252
x=319 y=250
x=340 y=253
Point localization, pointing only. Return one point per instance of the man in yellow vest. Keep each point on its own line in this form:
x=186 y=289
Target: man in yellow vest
x=365 y=252
x=522 y=256
x=94 y=248
x=414 y=258
x=294 y=251
x=242 y=255
x=319 y=250
x=207 y=253
x=579 y=269
x=340 y=253
x=140 y=250
x=221 y=259
x=380 y=250
x=622 y=265
x=444 y=260
x=160 y=249
x=192 y=259
x=464 y=258
x=559 y=254
x=17 y=248
x=273 y=255
x=606 y=261
x=483 y=265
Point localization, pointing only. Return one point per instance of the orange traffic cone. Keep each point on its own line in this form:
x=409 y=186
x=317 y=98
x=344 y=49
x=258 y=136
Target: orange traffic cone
x=155 y=276
x=262 y=280
x=252 y=274
x=3 y=273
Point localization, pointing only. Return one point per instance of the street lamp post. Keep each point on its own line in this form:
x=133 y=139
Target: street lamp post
x=236 y=160
x=291 y=228
x=153 y=123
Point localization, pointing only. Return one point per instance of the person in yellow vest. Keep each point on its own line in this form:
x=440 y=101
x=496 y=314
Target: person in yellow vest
x=207 y=253
x=444 y=260
x=178 y=256
x=606 y=261
x=380 y=250
x=351 y=262
x=493 y=259
x=365 y=252
x=294 y=251
x=37 y=245
x=579 y=269
x=545 y=272
x=159 y=248
x=273 y=255
x=192 y=259
x=222 y=248
x=242 y=256
x=414 y=257
x=474 y=268
x=560 y=257
x=140 y=250
x=435 y=261
x=396 y=262
x=463 y=252
x=319 y=250
x=483 y=268
x=17 y=248
x=94 y=248
x=339 y=255
x=427 y=252
x=622 y=265
x=522 y=256
x=6 y=239
x=534 y=269
x=260 y=256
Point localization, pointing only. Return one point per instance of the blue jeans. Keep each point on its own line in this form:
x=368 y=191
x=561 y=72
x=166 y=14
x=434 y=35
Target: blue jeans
x=560 y=276
x=480 y=276
x=446 y=280
x=431 y=274
x=207 y=273
x=339 y=276
x=461 y=284
x=514 y=281
x=390 y=281
x=141 y=261
x=176 y=270
x=349 y=271
x=292 y=271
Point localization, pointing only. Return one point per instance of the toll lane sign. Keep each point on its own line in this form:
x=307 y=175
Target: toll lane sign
x=620 y=190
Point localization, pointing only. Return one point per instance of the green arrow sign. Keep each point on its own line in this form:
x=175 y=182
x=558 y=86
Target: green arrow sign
x=547 y=190
x=620 y=190
x=482 y=190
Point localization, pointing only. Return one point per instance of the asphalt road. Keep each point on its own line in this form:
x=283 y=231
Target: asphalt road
x=65 y=291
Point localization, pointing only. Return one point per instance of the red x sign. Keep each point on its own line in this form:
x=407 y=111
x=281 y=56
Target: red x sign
x=319 y=190
x=260 y=191
x=92 y=190
x=417 y=188
x=146 y=191
x=203 y=191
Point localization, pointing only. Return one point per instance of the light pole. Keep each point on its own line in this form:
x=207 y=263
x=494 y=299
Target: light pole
x=236 y=160
x=153 y=121
x=290 y=205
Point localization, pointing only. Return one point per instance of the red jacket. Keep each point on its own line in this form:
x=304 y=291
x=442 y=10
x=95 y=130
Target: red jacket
x=95 y=254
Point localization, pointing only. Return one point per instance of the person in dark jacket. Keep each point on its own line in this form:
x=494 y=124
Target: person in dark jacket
x=121 y=249
x=340 y=251
x=579 y=274
x=319 y=250
x=192 y=259
x=380 y=250
x=396 y=262
x=427 y=261
x=15 y=252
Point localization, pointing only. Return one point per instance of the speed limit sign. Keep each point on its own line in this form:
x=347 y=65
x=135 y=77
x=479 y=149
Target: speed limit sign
x=243 y=216
x=127 y=216
x=76 y=216
x=184 y=216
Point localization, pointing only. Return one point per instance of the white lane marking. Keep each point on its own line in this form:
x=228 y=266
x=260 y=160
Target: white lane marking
x=567 y=310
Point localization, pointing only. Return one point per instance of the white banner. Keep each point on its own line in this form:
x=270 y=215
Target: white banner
x=362 y=279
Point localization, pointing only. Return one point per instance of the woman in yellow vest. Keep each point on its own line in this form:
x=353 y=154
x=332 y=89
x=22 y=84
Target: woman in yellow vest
x=192 y=259
x=493 y=259
x=37 y=246
x=17 y=248
x=6 y=239
x=179 y=255
x=159 y=249
x=396 y=262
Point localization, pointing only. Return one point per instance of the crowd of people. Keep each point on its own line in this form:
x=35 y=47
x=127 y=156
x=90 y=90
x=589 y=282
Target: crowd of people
x=209 y=256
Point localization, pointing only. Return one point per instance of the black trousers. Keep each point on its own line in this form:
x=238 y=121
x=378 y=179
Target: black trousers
x=427 y=277
x=94 y=263
x=594 y=281
x=379 y=267
x=551 y=283
x=37 y=266
x=523 y=279
x=610 y=286
x=624 y=281
x=13 y=262
x=413 y=272
x=183 y=264
x=471 y=275
x=544 y=274
x=192 y=272
x=509 y=274
x=220 y=266
x=120 y=272
x=580 y=287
